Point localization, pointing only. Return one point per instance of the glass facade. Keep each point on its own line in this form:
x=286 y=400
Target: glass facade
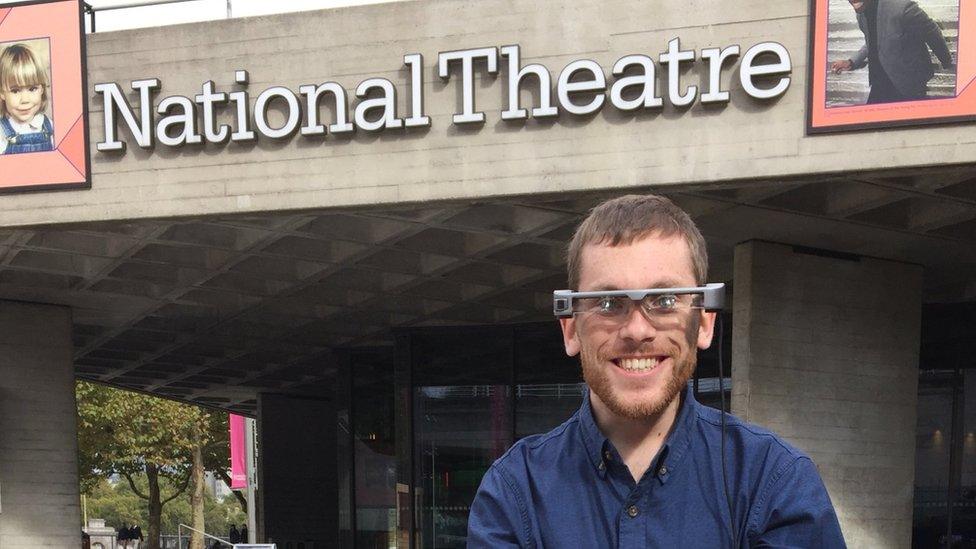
x=423 y=422
x=945 y=444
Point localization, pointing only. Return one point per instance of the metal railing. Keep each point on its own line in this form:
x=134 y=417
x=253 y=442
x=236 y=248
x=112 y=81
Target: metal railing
x=179 y=533
x=92 y=10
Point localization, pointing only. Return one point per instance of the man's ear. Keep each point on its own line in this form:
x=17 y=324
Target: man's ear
x=570 y=339
x=706 y=328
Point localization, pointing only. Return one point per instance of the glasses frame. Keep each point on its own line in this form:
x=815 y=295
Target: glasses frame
x=713 y=297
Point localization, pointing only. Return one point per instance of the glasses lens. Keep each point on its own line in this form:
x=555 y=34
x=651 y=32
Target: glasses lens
x=614 y=310
x=606 y=306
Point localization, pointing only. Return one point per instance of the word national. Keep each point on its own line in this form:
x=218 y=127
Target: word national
x=581 y=89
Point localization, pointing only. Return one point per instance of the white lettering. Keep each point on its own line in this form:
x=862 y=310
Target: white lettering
x=647 y=82
x=312 y=94
x=386 y=102
x=113 y=100
x=748 y=70
x=716 y=58
x=417 y=118
x=186 y=117
x=597 y=82
x=467 y=57
x=673 y=58
x=294 y=114
x=515 y=77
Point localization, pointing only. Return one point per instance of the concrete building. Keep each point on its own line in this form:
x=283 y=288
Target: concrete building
x=381 y=300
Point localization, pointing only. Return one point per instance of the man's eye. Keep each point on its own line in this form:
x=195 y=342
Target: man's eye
x=609 y=305
x=665 y=302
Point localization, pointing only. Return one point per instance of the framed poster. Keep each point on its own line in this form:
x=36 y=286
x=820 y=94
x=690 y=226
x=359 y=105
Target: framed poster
x=890 y=63
x=43 y=100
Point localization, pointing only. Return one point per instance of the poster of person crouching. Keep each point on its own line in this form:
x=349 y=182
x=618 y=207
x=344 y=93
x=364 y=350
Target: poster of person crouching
x=889 y=63
x=43 y=105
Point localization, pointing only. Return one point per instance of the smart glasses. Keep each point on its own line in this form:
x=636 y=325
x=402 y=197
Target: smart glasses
x=654 y=303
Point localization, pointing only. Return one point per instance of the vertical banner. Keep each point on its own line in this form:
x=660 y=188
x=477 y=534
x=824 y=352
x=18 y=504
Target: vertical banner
x=238 y=453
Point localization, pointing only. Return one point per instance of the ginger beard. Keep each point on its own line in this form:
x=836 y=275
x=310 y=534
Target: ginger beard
x=682 y=358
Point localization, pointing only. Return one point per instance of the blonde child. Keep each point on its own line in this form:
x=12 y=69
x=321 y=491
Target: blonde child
x=24 y=86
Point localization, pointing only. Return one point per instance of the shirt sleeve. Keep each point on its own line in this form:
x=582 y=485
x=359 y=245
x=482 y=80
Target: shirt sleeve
x=497 y=518
x=795 y=511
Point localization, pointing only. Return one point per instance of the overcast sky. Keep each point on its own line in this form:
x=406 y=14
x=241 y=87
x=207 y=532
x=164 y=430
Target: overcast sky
x=201 y=10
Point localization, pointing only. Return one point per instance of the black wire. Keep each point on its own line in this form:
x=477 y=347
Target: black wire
x=721 y=392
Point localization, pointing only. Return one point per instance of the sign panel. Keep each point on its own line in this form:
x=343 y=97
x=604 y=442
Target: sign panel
x=886 y=63
x=43 y=106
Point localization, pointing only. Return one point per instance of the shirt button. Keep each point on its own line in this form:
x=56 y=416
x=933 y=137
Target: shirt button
x=633 y=511
x=663 y=470
x=601 y=466
x=608 y=455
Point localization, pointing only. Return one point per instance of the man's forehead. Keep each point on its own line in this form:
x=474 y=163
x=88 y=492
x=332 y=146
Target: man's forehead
x=665 y=258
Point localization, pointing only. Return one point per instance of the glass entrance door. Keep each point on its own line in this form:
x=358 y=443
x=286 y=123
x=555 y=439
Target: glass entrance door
x=460 y=431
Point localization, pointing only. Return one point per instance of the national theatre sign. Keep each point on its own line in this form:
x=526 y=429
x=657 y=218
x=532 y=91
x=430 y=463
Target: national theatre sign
x=582 y=88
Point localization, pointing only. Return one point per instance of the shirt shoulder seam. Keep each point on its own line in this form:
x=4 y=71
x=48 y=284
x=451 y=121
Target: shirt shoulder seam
x=520 y=502
x=737 y=423
x=752 y=526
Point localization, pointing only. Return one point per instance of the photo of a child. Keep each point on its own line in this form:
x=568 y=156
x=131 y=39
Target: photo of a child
x=25 y=91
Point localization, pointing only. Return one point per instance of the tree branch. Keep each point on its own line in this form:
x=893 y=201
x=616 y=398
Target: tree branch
x=132 y=485
x=237 y=494
x=186 y=483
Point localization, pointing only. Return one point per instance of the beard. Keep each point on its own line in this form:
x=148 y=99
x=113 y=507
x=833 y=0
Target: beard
x=683 y=362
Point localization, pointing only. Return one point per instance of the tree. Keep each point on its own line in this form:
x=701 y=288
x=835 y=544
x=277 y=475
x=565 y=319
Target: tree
x=118 y=504
x=210 y=451
x=137 y=436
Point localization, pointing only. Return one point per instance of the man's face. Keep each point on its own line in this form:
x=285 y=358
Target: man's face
x=637 y=366
x=859 y=5
x=22 y=102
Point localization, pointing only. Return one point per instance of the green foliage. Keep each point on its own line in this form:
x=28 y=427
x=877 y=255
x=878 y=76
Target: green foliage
x=118 y=505
x=121 y=431
x=148 y=442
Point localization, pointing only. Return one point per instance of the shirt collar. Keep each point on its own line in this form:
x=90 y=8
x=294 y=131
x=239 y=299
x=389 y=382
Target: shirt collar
x=671 y=453
x=33 y=125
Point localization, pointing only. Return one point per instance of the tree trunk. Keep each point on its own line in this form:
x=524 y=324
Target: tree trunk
x=196 y=497
x=155 y=507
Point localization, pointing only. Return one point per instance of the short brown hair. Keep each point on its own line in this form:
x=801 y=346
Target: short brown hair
x=632 y=217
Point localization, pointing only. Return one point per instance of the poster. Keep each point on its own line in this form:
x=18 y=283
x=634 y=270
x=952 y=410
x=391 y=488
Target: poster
x=43 y=104
x=890 y=63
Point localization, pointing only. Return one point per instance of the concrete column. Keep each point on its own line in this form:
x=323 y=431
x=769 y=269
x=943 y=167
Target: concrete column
x=825 y=353
x=38 y=429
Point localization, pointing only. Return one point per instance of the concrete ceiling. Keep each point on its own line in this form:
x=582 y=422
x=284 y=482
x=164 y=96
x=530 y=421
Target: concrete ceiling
x=215 y=310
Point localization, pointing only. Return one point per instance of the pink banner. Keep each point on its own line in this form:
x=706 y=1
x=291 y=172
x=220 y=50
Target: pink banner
x=238 y=454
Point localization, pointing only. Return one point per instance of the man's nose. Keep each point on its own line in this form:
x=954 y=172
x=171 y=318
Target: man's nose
x=637 y=326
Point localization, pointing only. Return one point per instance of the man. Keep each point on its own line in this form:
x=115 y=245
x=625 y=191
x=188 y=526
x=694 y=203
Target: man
x=897 y=38
x=640 y=464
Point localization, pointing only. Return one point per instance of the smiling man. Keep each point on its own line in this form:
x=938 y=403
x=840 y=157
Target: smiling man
x=642 y=464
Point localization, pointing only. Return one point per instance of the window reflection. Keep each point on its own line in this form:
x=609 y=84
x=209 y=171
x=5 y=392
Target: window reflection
x=460 y=431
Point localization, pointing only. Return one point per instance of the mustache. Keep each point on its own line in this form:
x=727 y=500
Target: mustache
x=669 y=350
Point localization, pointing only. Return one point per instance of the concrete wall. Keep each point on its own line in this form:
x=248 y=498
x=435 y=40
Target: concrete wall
x=825 y=352
x=675 y=146
x=297 y=486
x=38 y=429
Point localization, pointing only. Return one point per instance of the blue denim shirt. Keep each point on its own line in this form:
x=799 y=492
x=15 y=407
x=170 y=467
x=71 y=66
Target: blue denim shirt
x=570 y=488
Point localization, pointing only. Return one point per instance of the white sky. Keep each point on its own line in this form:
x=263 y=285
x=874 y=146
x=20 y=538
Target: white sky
x=201 y=10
